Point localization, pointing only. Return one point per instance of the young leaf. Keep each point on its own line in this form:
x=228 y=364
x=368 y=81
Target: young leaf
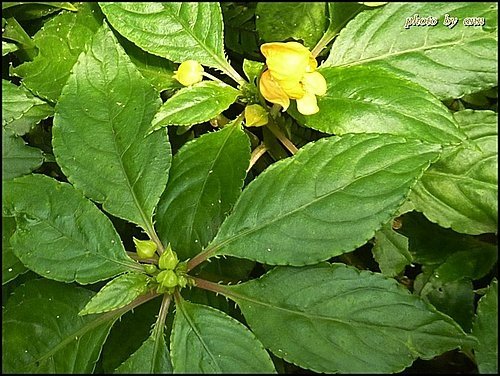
x=206 y=340
x=461 y=190
x=195 y=104
x=151 y=358
x=11 y=266
x=60 y=234
x=343 y=319
x=59 y=42
x=449 y=62
x=391 y=251
x=370 y=100
x=205 y=180
x=20 y=109
x=8 y=47
x=328 y=199
x=486 y=331
x=42 y=332
x=118 y=293
x=17 y=158
x=279 y=21
x=178 y=31
x=103 y=149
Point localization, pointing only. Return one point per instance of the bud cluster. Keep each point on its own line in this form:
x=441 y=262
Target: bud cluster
x=172 y=272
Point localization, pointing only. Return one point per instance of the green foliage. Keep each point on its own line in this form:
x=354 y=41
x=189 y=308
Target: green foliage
x=360 y=238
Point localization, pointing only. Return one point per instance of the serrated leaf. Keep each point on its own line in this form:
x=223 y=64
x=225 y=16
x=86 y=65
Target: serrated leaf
x=103 y=150
x=371 y=100
x=59 y=42
x=11 y=266
x=328 y=199
x=448 y=62
x=17 y=158
x=42 y=332
x=279 y=21
x=56 y=233
x=19 y=103
x=8 y=47
x=117 y=293
x=486 y=330
x=206 y=340
x=151 y=358
x=391 y=251
x=178 y=31
x=343 y=319
x=205 y=181
x=33 y=10
x=461 y=190
x=195 y=104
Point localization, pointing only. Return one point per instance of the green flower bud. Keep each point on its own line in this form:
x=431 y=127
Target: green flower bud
x=150 y=268
x=182 y=267
x=145 y=248
x=167 y=278
x=168 y=259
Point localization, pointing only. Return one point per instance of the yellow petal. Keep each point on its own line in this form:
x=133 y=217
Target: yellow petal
x=286 y=60
x=189 y=73
x=294 y=89
x=255 y=116
x=372 y=3
x=307 y=105
x=314 y=83
x=272 y=91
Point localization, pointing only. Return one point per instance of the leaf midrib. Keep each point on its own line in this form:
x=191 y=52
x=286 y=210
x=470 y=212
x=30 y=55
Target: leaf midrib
x=411 y=50
x=212 y=249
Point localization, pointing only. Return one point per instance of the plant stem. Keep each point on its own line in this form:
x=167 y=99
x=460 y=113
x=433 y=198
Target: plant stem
x=162 y=315
x=281 y=136
x=152 y=260
x=199 y=258
x=150 y=230
x=258 y=152
x=210 y=286
x=208 y=75
x=231 y=72
x=323 y=42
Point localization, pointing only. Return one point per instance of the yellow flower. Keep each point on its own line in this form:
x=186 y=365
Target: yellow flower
x=291 y=74
x=255 y=116
x=189 y=73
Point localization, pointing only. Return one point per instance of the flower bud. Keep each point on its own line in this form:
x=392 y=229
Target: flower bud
x=189 y=73
x=167 y=278
x=182 y=281
x=168 y=259
x=150 y=268
x=255 y=116
x=145 y=248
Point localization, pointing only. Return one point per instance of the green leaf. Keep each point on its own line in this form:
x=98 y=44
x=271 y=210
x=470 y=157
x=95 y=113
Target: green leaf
x=328 y=199
x=454 y=298
x=15 y=32
x=343 y=319
x=371 y=100
x=59 y=42
x=486 y=331
x=20 y=109
x=456 y=255
x=56 y=233
x=34 y=10
x=158 y=71
x=461 y=190
x=195 y=104
x=17 y=158
x=151 y=358
x=206 y=340
x=205 y=181
x=117 y=293
x=448 y=62
x=278 y=21
x=178 y=31
x=103 y=149
x=42 y=332
x=391 y=251
x=11 y=266
x=240 y=35
x=8 y=47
